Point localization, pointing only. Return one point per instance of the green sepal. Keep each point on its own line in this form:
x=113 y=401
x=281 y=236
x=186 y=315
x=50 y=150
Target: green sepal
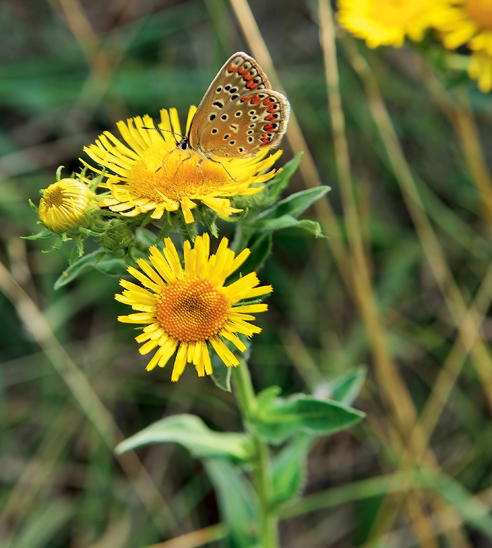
x=237 y=503
x=193 y=434
x=34 y=207
x=277 y=419
x=77 y=251
x=112 y=264
x=44 y=234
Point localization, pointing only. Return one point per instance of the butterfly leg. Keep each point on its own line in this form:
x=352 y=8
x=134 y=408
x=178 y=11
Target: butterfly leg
x=165 y=159
x=189 y=157
x=223 y=167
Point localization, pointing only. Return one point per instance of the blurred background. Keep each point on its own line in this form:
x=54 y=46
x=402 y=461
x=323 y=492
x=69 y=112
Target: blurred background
x=403 y=284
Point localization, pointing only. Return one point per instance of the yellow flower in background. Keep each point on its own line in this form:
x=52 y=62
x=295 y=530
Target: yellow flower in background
x=64 y=205
x=190 y=309
x=149 y=173
x=480 y=69
x=386 y=22
x=469 y=22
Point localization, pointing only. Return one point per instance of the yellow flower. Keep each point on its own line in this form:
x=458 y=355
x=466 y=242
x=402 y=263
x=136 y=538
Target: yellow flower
x=188 y=309
x=64 y=205
x=386 y=22
x=480 y=68
x=152 y=174
x=469 y=22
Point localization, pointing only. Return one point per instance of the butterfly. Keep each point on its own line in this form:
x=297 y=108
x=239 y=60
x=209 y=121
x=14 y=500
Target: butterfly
x=239 y=115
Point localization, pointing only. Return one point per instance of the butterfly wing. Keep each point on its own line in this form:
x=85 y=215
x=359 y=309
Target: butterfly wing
x=239 y=114
x=246 y=125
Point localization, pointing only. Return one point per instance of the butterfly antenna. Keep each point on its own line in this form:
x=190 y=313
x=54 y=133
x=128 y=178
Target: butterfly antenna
x=167 y=131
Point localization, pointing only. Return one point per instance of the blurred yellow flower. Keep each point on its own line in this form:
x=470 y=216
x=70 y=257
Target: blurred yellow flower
x=386 y=22
x=64 y=205
x=469 y=22
x=151 y=174
x=188 y=309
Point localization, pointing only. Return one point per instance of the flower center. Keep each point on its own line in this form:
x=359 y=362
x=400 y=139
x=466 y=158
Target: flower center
x=481 y=12
x=192 y=310
x=174 y=174
x=396 y=12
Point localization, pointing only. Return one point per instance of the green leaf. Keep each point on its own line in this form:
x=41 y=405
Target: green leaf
x=112 y=264
x=281 y=181
x=221 y=374
x=145 y=237
x=191 y=432
x=347 y=387
x=295 y=204
x=276 y=419
x=237 y=502
x=260 y=248
x=287 y=221
x=289 y=468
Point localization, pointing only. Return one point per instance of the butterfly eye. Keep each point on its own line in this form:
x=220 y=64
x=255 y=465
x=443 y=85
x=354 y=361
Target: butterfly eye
x=250 y=132
x=232 y=142
x=235 y=96
x=215 y=130
x=212 y=116
x=250 y=139
x=219 y=104
x=226 y=136
x=219 y=89
x=224 y=117
x=238 y=113
x=228 y=87
x=233 y=90
x=241 y=149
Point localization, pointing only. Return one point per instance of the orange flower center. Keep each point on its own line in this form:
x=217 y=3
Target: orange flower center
x=174 y=174
x=192 y=310
x=481 y=12
x=396 y=12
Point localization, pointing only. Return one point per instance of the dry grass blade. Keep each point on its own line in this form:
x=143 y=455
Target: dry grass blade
x=83 y=393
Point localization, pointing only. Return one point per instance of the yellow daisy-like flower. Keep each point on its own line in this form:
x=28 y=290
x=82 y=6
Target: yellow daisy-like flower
x=152 y=174
x=469 y=22
x=64 y=205
x=386 y=22
x=187 y=309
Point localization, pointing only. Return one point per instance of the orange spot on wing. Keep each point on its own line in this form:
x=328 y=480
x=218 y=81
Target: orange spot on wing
x=265 y=140
x=270 y=118
x=231 y=68
x=251 y=85
x=268 y=127
x=255 y=100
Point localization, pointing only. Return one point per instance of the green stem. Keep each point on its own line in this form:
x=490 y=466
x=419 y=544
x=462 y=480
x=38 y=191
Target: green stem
x=246 y=398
